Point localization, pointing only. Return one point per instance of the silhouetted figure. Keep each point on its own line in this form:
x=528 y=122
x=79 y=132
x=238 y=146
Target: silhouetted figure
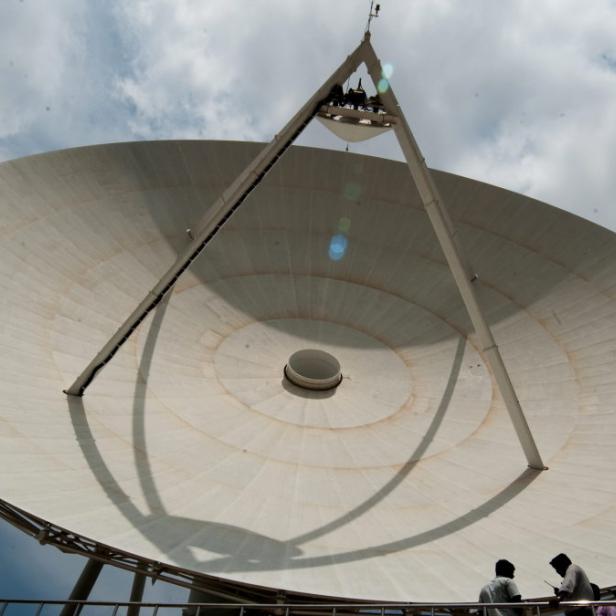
x=502 y=589
x=357 y=98
x=336 y=96
x=575 y=585
x=374 y=103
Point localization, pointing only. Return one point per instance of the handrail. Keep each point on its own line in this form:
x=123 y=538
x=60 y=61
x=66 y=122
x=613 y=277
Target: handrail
x=552 y=604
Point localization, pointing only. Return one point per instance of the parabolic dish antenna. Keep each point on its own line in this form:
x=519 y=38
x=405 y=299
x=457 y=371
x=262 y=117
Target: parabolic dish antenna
x=191 y=448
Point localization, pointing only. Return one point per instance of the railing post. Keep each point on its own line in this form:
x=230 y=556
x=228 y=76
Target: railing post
x=82 y=588
x=40 y=608
x=3 y=608
x=136 y=594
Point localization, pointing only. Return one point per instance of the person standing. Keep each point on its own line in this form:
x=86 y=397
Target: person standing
x=575 y=585
x=502 y=589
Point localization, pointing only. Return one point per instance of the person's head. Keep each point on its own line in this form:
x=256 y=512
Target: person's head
x=560 y=562
x=504 y=568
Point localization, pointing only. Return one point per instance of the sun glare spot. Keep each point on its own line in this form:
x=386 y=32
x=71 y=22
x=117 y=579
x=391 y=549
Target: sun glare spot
x=352 y=191
x=337 y=247
x=383 y=86
x=344 y=224
x=387 y=71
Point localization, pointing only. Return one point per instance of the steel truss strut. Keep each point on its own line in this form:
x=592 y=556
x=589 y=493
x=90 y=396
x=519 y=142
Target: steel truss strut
x=446 y=235
x=217 y=216
x=445 y=232
x=66 y=541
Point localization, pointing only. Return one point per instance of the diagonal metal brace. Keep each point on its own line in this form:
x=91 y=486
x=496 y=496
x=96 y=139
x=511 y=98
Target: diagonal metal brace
x=454 y=255
x=218 y=215
x=443 y=227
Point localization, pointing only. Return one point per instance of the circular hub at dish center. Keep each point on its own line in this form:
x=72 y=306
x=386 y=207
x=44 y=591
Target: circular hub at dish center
x=313 y=369
x=249 y=364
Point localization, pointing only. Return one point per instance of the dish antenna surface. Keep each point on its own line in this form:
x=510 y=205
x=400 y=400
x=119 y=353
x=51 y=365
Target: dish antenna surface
x=192 y=454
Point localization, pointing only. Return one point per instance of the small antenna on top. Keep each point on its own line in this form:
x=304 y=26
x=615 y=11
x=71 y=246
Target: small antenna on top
x=373 y=14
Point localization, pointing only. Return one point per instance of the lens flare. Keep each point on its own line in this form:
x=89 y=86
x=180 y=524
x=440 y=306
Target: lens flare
x=337 y=247
x=387 y=70
x=352 y=191
x=344 y=224
x=383 y=85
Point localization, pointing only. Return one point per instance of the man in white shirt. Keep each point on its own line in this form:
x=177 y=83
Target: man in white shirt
x=575 y=585
x=502 y=589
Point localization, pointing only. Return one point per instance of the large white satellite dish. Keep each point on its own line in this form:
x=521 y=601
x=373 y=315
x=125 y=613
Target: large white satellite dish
x=193 y=453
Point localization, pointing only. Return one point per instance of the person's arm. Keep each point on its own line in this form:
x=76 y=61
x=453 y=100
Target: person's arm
x=514 y=595
x=516 y=599
x=484 y=597
x=567 y=585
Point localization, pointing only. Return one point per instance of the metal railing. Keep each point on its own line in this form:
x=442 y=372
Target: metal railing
x=39 y=607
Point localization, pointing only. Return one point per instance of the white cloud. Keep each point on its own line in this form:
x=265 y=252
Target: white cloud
x=519 y=94
x=57 y=62
x=514 y=92
x=34 y=56
x=223 y=70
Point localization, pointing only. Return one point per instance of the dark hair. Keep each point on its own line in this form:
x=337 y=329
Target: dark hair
x=504 y=568
x=560 y=560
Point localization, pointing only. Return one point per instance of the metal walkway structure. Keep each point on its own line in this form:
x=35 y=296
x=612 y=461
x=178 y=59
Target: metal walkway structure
x=38 y=607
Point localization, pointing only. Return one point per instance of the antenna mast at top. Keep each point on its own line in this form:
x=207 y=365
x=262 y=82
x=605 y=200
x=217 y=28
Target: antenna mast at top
x=373 y=14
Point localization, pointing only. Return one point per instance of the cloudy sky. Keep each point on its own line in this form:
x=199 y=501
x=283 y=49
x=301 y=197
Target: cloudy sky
x=31 y=571
x=519 y=93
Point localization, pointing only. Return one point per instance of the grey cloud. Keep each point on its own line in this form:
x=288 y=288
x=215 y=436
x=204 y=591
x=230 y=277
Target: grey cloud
x=514 y=92
x=55 y=85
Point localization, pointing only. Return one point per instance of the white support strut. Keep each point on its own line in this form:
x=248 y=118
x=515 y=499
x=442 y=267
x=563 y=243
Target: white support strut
x=446 y=235
x=217 y=216
x=241 y=187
